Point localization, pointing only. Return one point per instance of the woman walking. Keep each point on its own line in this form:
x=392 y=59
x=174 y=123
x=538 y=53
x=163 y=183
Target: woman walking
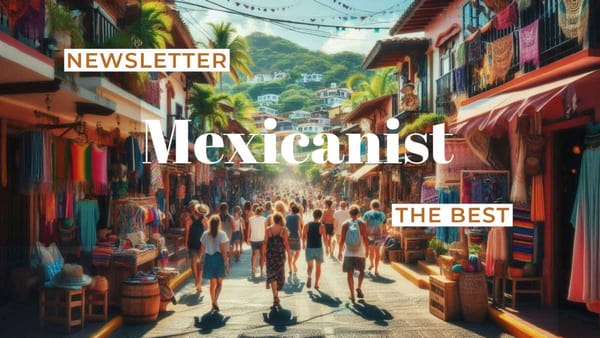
x=294 y=228
x=312 y=241
x=216 y=262
x=237 y=232
x=276 y=248
x=196 y=230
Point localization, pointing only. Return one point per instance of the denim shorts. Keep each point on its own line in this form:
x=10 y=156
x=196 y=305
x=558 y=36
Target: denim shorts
x=314 y=254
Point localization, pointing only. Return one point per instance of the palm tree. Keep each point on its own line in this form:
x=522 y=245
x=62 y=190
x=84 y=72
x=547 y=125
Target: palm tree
x=206 y=112
x=366 y=89
x=243 y=110
x=152 y=29
x=223 y=36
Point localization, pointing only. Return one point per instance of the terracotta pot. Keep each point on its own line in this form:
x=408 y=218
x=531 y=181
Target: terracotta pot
x=63 y=40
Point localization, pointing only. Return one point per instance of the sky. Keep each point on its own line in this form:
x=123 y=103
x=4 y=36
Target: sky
x=355 y=13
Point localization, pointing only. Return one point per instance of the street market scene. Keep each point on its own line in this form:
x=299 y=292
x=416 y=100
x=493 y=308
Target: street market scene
x=280 y=220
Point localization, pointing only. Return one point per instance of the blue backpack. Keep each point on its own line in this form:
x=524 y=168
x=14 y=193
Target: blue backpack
x=353 y=237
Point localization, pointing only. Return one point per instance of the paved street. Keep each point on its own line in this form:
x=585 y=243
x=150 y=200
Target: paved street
x=392 y=307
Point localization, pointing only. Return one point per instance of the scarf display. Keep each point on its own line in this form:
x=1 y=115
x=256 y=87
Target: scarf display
x=3 y=157
x=502 y=57
x=78 y=159
x=496 y=5
x=506 y=17
x=584 y=286
x=573 y=18
x=130 y=219
x=460 y=79
x=529 y=45
x=133 y=156
x=31 y=170
x=99 y=169
x=460 y=55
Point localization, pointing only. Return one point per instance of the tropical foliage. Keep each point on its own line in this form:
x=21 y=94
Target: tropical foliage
x=422 y=123
x=207 y=114
x=60 y=19
x=224 y=36
x=152 y=29
x=244 y=110
x=383 y=82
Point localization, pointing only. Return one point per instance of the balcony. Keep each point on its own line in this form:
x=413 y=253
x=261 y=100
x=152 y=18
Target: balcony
x=99 y=29
x=443 y=101
x=553 y=45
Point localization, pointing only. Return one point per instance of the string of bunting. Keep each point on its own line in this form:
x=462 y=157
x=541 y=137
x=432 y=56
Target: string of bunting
x=254 y=7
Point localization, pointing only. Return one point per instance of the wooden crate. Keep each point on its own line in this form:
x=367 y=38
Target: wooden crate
x=444 y=302
x=412 y=256
x=396 y=256
x=415 y=243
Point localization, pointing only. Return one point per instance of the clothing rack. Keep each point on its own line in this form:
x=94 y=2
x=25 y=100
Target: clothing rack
x=143 y=202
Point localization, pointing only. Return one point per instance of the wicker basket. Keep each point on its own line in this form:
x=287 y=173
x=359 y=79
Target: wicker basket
x=472 y=288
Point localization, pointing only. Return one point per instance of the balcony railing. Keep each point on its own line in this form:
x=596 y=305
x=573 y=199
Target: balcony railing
x=445 y=88
x=28 y=28
x=552 y=44
x=99 y=29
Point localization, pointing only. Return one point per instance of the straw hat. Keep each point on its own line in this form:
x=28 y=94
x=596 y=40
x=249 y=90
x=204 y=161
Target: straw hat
x=408 y=88
x=71 y=277
x=202 y=209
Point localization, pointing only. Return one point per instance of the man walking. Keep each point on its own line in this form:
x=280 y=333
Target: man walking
x=355 y=242
x=375 y=219
x=339 y=217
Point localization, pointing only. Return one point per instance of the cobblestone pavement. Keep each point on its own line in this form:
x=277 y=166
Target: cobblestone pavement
x=393 y=307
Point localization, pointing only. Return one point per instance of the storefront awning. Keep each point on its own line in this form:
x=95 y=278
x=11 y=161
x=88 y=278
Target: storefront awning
x=363 y=172
x=488 y=112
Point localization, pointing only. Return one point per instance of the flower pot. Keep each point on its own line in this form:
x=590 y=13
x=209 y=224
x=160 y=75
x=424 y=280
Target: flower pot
x=63 y=40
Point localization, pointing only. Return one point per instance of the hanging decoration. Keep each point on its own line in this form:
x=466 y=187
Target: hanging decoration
x=502 y=57
x=258 y=8
x=528 y=45
x=496 y=5
x=506 y=17
x=573 y=18
x=15 y=9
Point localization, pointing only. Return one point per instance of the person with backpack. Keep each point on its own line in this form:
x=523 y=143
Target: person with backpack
x=355 y=242
x=375 y=219
x=313 y=237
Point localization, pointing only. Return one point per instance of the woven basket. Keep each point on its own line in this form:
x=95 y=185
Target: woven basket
x=472 y=288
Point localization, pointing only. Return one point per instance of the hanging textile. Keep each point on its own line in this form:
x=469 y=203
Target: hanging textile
x=460 y=55
x=78 y=158
x=87 y=214
x=524 y=238
x=497 y=249
x=464 y=159
x=14 y=9
x=31 y=170
x=62 y=162
x=517 y=131
x=428 y=192
x=133 y=156
x=475 y=50
x=584 y=286
x=538 y=209
x=496 y=5
x=506 y=18
x=573 y=18
x=130 y=218
x=156 y=180
x=529 y=45
x=99 y=169
x=502 y=57
x=48 y=159
x=460 y=79
x=31 y=24
x=448 y=234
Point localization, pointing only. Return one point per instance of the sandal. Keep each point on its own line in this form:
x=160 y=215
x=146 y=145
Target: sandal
x=308 y=283
x=359 y=293
x=352 y=298
x=275 y=303
x=215 y=307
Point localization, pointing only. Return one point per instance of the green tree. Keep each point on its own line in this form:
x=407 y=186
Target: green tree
x=366 y=89
x=243 y=110
x=223 y=36
x=206 y=112
x=337 y=74
x=152 y=29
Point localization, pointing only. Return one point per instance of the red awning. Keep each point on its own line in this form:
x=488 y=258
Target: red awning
x=486 y=113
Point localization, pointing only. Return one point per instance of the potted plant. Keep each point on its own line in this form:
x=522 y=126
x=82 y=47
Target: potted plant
x=64 y=28
x=436 y=248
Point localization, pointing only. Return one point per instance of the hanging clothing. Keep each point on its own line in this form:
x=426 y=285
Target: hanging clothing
x=31 y=170
x=87 y=214
x=99 y=169
x=584 y=286
x=460 y=79
x=529 y=45
x=48 y=160
x=573 y=18
x=460 y=55
x=502 y=51
x=497 y=249
x=518 y=191
x=475 y=49
x=62 y=162
x=133 y=156
x=448 y=234
x=78 y=158
x=506 y=17
x=538 y=209
x=156 y=180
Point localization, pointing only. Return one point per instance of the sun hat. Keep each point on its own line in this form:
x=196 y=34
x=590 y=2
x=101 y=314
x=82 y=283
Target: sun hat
x=202 y=209
x=71 y=277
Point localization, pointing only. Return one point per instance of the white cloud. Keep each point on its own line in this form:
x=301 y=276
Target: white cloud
x=199 y=24
x=358 y=41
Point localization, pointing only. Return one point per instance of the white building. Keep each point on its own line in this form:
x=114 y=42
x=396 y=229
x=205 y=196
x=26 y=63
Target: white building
x=268 y=99
x=333 y=95
x=322 y=121
x=310 y=128
x=267 y=110
x=280 y=75
x=261 y=77
x=299 y=115
x=310 y=77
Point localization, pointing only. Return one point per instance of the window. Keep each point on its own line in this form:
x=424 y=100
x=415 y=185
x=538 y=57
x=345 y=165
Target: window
x=475 y=16
x=447 y=57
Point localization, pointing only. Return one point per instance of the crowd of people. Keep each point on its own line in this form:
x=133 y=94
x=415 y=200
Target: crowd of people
x=278 y=226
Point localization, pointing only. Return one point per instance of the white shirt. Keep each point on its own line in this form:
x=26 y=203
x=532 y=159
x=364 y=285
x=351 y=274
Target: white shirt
x=257 y=228
x=213 y=245
x=340 y=216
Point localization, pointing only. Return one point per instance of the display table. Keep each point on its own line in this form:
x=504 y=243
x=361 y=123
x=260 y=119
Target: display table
x=124 y=266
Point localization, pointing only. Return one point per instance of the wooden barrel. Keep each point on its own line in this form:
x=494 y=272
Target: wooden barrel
x=140 y=302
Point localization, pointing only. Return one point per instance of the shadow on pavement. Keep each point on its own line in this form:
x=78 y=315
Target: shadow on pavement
x=370 y=312
x=321 y=297
x=280 y=319
x=294 y=287
x=191 y=299
x=380 y=279
x=210 y=321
